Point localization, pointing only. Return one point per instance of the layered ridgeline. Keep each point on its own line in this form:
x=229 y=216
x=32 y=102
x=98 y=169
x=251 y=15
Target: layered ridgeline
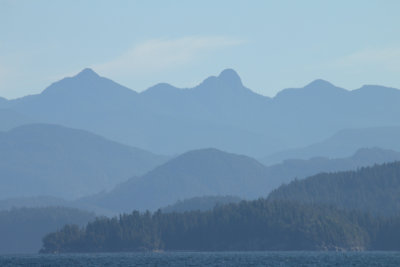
x=195 y=174
x=256 y=225
x=209 y=172
x=291 y=169
x=304 y=215
x=343 y=144
x=372 y=189
x=220 y=112
x=22 y=229
x=42 y=159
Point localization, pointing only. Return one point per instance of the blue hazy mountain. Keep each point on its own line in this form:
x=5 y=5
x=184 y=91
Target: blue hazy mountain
x=220 y=112
x=210 y=172
x=10 y=119
x=88 y=101
x=195 y=173
x=343 y=144
x=42 y=159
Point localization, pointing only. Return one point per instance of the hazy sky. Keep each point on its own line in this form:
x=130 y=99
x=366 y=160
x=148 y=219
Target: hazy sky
x=271 y=44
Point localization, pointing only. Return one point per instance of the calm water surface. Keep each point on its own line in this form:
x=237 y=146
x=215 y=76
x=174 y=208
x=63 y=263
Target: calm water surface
x=208 y=259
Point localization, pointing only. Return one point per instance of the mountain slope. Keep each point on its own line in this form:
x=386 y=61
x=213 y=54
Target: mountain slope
x=373 y=189
x=195 y=173
x=41 y=159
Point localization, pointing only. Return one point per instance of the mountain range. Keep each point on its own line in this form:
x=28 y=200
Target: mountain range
x=87 y=137
x=220 y=112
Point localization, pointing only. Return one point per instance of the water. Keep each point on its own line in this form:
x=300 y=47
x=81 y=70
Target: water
x=208 y=259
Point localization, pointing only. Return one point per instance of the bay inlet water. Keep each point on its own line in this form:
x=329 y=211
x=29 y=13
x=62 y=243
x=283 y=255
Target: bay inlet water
x=208 y=259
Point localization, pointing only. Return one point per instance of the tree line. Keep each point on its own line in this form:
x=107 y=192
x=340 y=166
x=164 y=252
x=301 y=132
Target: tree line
x=249 y=225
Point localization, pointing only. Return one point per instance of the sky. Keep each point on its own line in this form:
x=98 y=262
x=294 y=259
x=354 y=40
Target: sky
x=271 y=44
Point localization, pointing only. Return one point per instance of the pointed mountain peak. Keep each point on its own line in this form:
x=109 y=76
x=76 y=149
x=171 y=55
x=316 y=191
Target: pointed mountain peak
x=89 y=82
x=319 y=84
x=230 y=77
x=86 y=73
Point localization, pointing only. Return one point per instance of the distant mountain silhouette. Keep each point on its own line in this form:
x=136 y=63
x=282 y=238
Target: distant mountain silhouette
x=342 y=144
x=41 y=159
x=207 y=172
x=220 y=112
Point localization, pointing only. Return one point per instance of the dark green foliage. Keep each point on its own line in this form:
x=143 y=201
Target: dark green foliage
x=373 y=189
x=22 y=229
x=254 y=225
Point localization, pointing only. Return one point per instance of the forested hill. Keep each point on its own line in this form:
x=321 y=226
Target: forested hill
x=254 y=225
x=373 y=189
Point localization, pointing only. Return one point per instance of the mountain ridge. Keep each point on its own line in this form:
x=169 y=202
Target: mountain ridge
x=227 y=75
x=169 y=120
